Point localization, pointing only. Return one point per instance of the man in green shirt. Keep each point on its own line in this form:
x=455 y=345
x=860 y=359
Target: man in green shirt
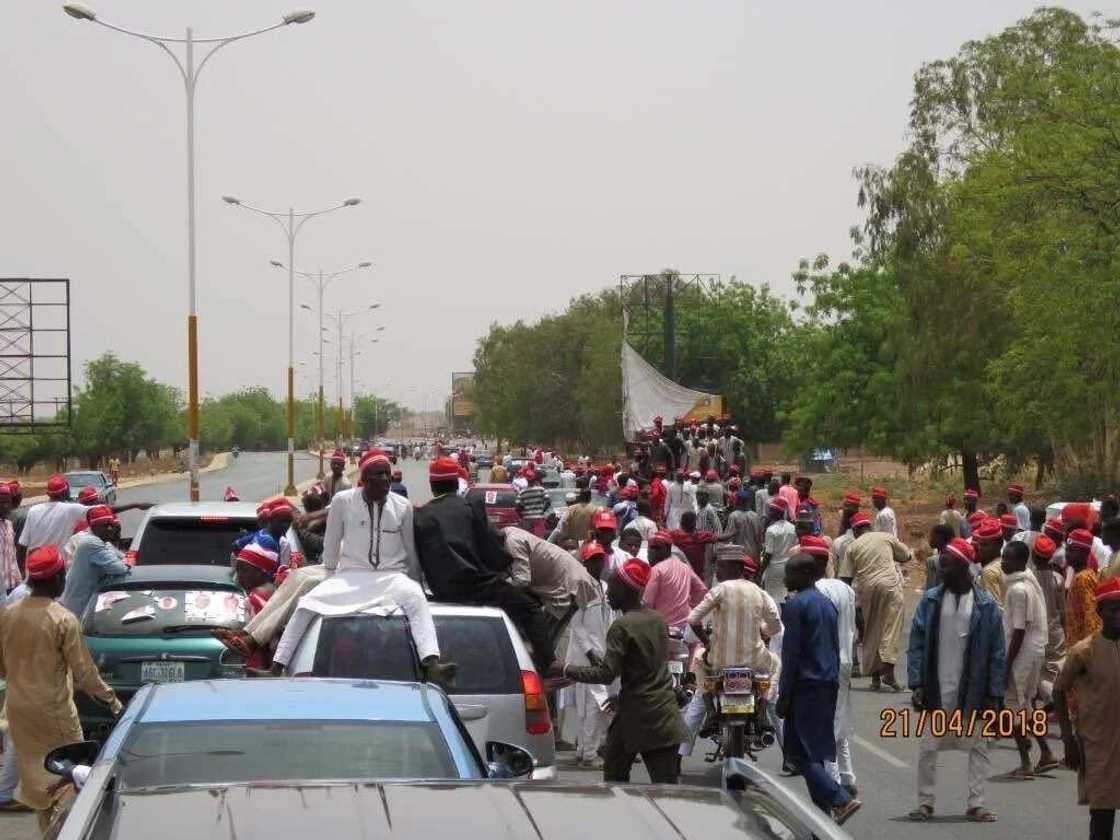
x=647 y=720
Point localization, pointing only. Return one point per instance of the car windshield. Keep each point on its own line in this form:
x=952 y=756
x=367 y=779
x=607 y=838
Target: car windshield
x=229 y=752
x=164 y=611
x=493 y=498
x=376 y=647
x=83 y=479
x=191 y=541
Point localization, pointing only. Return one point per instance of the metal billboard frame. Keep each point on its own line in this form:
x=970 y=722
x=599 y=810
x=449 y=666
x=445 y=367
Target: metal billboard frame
x=31 y=376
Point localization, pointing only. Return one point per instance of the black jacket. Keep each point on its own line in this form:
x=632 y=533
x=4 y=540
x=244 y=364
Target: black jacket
x=459 y=550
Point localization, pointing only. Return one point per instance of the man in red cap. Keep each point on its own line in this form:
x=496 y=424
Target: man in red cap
x=1054 y=597
x=779 y=543
x=673 y=588
x=463 y=559
x=874 y=560
x=885 y=521
x=694 y=543
x=956 y=664
x=658 y=495
x=987 y=539
x=337 y=481
x=953 y=517
x=96 y=560
x=533 y=503
x=604 y=530
x=44 y=658
x=10 y=574
x=281 y=515
x=1009 y=525
x=647 y=722
x=255 y=570
x=1092 y=739
x=1018 y=507
x=1082 y=620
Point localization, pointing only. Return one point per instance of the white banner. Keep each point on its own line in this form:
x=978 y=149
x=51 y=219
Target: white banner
x=647 y=394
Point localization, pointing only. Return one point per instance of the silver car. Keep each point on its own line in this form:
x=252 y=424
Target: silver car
x=193 y=533
x=497 y=693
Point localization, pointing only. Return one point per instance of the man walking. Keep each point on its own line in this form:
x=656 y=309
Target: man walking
x=1054 y=597
x=744 y=526
x=1018 y=506
x=956 y=663
x=647 y=722
x=44 y=658
x=96 y=560
x=673 y=588
x=885 y=521
x=809 y=685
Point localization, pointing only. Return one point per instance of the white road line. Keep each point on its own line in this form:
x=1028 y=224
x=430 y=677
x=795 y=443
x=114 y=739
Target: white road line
x=880 y=752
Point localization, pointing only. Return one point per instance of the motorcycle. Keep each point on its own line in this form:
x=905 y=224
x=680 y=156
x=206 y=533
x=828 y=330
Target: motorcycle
x=737 y=720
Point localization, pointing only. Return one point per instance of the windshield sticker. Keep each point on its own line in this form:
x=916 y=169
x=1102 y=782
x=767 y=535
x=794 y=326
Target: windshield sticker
x=491 y=496
x=106 y=600
x=214 y=607
x=168 y=603
x=138 y=614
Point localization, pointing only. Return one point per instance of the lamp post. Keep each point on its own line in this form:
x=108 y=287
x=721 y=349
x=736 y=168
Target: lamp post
x=321 y=282
x=340 y=319
x=353 y=392
x=190 y=72
x=291 y=223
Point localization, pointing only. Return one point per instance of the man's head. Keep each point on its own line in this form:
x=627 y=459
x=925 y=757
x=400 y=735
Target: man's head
x=744 y=500
x=281 y=513
x=688 y=521
x=256 y=563
x=1110 y=533
x=443 y=476
x=17 y=492
x=377 y=475
x=1009 y=525
x=1014 y=493
x=1043 y=550
x=1079 y=543
x=987 y=538
x=101 y=519
x=583 y=497
x=954 y=564
x=679 y=477
x=313 y=498
x=1038 y=518
x=801 y=572
x=262 y=515
x=1108 y=607
x=630 y=541
x=46 y=571
x=786 y=478
x=775 y=509
x=88 y=496
x=971 y=499
x=805 y=523
x=773 y=486
x=702 y=498
x=852 y=501
x=1014 y=557
x=879 y=497
x=624 y=588
x=804 y=486
x=58 y=489
x=660 y=547
x=817 y=548
x=860 y=524
x=594 y=558
x=338 y=463
x=605 y=525
x=939 y=536
x=5 y=500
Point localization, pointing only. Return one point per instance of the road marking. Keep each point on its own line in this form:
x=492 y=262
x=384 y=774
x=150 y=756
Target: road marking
x=880 y=752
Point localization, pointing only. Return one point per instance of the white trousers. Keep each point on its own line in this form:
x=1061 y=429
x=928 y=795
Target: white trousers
x=979 y=763
x=693 y=720
x=841 y=769
x=593 y=725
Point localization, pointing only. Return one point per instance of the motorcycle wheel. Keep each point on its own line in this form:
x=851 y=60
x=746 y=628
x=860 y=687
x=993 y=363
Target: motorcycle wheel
x=734 y=745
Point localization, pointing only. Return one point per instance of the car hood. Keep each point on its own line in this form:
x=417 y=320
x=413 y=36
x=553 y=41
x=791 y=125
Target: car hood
x=493 y=810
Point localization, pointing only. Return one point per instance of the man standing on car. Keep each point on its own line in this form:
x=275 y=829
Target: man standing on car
x=44 y=658
x=647 y=722
x=96 y=560
x=463 y=559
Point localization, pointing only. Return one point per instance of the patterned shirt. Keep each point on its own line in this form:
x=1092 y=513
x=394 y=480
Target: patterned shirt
x=532 y=502
x=743 y=612
x=1082 y=620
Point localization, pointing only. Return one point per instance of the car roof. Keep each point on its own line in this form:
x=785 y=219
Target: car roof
x=234 y=510
x=201 y=573
x=534 y=809
x=277 y=699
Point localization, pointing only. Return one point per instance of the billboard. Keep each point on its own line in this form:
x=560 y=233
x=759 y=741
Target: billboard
x=647 y=394
x=462 y=394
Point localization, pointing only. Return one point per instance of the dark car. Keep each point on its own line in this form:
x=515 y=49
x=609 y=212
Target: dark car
x=500 y=501
x=154 y=627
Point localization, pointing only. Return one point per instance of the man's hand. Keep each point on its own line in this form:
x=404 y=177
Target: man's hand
x=917 y=697
x=1072 y=758
x=556 y=669
x=594 y=658
x=611 y=704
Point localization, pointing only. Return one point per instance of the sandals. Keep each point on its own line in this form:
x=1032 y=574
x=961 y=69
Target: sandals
x=236 y=640
x=923 y=813
x=1046 y=767
x=981 y=814
x=1023 y=773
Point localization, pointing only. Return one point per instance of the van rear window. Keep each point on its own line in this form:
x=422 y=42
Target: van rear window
x=494 y=498
x=377 y=647
x=191 y=540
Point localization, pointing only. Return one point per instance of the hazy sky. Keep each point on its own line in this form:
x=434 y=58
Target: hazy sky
x=510 y=154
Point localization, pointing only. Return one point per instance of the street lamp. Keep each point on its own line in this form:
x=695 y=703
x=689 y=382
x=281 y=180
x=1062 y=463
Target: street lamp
x=321 y=282
x=190 y=72
x=340 y=318
x=291 y=229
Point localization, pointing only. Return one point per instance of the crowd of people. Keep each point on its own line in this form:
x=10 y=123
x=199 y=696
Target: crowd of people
x=1020 y=614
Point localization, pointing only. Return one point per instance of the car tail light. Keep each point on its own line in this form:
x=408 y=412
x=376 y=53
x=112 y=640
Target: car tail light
x=214 y=519
x=130 y=557
x=232 y=659
x=537 y=721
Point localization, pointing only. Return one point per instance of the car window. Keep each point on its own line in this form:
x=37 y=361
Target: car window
x=376 y=647
x=155 y=612
x=228 y=752
x=191 y=541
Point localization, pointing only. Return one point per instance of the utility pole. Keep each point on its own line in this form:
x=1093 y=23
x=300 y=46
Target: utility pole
x=670 y=327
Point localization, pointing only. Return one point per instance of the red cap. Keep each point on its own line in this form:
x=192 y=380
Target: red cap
x=590 y=550
x=57 y=486
x=372 y=458
x=878 y=492
x=1009 y=520
x=1015 y=487
x=100 y=515
x=961 y=549
x=859 y=520
x=1044 y=547
x=711 y=475
x=814 y=546
x=777 y=504
x=972 y=493
x=1109 y=590
x=634 y=573
x=338 y=457
x=1080 y=538
x=262 y=558
x=282 y=508
x=443 y=469
x=606 y=471
x=16 y=487
x=662 y=537
x=604 y=519
x=1053 y=528
x=735 y=483
x=852 y=498
x=976 y=517
x=86 y=494
x=630 y=491
x=987 y=531
x=231 y=495
x=45 y=562
x=750 y=563
x=262 y=510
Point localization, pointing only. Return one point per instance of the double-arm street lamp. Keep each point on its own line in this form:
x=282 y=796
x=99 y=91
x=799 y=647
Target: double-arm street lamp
x=321 y=282
x=291 y=223
x=339 y=320
x=190 y=72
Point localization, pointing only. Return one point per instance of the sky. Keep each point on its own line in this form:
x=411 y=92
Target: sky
x=509 y=154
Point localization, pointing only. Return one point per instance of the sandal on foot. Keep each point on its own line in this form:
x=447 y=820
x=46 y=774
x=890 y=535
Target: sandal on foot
x=980 y=815
x=1047 y=766
x=844 y=812
x=923 y=813
x=1021 y=773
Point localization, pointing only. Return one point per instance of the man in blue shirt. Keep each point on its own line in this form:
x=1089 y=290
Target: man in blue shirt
x=809 y=685
x=96 y=560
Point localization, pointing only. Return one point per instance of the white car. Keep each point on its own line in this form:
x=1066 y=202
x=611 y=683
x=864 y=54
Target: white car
x=193 y=533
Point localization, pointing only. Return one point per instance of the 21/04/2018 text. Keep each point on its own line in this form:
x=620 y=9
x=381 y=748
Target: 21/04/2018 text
x=988 y=723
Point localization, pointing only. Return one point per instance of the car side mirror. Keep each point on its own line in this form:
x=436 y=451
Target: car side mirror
x=505 y=761
x=61 y=760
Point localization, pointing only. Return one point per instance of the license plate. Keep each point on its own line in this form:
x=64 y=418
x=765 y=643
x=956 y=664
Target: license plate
x=737 y=704
x=737 y=681
x=163 y=672
x=676 y=666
